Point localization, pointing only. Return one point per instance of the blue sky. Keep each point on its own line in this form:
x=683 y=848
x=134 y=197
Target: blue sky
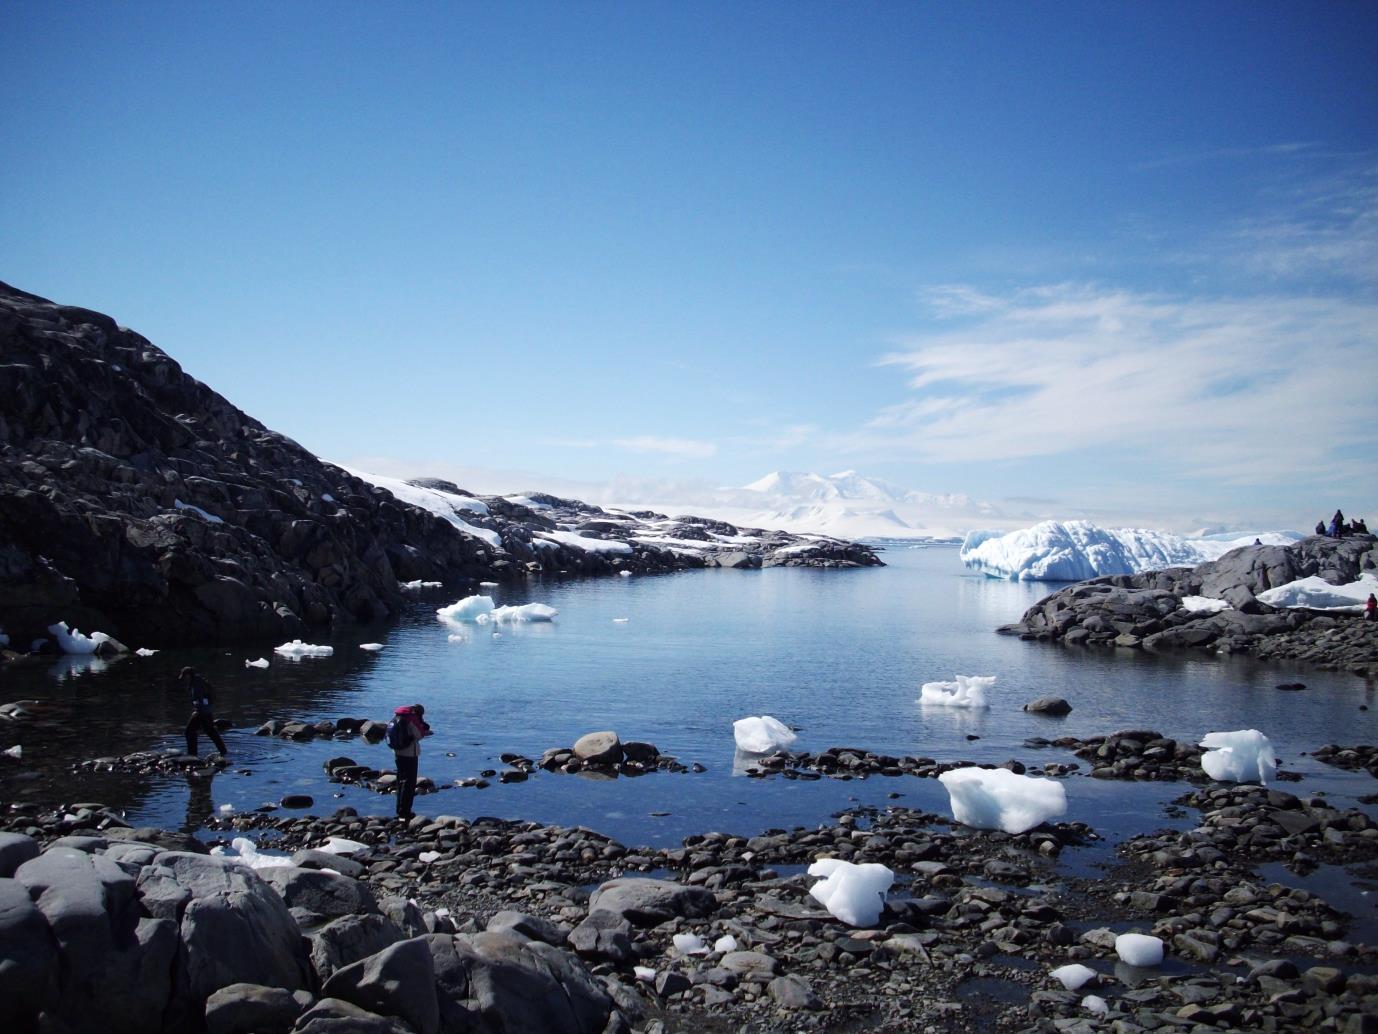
x=1119 y=260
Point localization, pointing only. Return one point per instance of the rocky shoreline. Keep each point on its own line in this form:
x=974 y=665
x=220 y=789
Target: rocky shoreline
x=1146 y=611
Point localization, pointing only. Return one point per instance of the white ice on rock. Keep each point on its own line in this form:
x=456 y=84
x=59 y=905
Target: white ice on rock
x=262 y=662
x=419 y=585
x=73 y=641
x=1203 y=605
x=1242 y=756
x=690 y=944
x=446 y=505
x=342 y=846
x=588 y=545
x=725 y=943
x=212 y=518
x=967 y=691
x=996 y=798
x=296 y=650
x=1139 y=949
x=467 y=610
x=1095 y=1004
x=1316 y=593
x=1071 y=551
x=761 y=735
x=850 y=892
x=1073 y=975
x=246 y=852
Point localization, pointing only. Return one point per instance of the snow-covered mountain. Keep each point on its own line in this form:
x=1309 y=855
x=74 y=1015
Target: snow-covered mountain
x=1070 y=551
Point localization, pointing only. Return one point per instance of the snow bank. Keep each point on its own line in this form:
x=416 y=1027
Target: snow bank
x=514 y=615
x=996 y=798
x=1316 y=593
x=853 y=893
x=73 y=641
x=446 y=505
x=1239 y=757
x=1073 y=975
x=212 y=518
x=371 y=647
x=262 y=662
x=1071 y=551
x=296 y=650
x=467 y=610
x=1203 y=605
x=967 y=691
x=246 y=852
x=761 y=735
x=1139 y=949
x=569 y=538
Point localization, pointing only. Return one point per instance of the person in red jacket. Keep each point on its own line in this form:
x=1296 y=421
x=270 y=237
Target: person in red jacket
x=405 y=733
x=1371 y=608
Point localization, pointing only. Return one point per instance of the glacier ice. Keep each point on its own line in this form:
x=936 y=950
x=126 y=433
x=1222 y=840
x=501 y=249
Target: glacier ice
x=966 y=691
x=296 y=650
x=761 y=735
x=1239 y=757
x=1139 y=949
x=1071 y=551
x=996 y=798
x=1315 y=593
x=1073 y=975
x=73 y=641
x=853 y=893
x=467 y=610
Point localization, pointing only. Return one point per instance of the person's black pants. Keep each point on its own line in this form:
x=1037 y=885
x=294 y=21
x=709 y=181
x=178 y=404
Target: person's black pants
x=406 y=784
x=203 y=721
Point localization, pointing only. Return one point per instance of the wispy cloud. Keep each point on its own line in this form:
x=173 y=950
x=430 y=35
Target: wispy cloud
x=1250 y=391
x=683 y=448
x=1214 y=154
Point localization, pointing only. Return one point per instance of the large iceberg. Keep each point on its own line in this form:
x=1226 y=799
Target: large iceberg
x=75 y=642
x=1239 y=757
x=1317 y=594
x=1072 y=551
x=996 y=798
x=853 y=893
x=467 y=610
x=525 y=612
x=761 y=735
x=967 y=691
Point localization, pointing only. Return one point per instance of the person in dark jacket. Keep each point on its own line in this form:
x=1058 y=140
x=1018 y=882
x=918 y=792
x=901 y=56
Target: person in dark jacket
x=408 y=758
x=201 y=718
x=1371 y=608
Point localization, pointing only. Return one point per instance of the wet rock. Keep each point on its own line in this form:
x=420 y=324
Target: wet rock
x=1049 y=705
x=598 y=748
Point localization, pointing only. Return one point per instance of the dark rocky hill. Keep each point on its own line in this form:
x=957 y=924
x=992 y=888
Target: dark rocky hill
x=136 y=500
x=1146 y=610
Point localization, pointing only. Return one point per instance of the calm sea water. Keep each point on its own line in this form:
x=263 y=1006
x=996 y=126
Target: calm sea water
x=838 y=654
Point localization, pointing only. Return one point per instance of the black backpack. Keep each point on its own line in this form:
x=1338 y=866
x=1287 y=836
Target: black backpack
x=400 y=734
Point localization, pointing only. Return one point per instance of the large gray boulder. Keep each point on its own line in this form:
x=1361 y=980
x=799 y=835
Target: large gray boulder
x=15 y=850
x=603 y=935
x=398 y=981
x=646 y=902
x=28 y=958
x=349 y=939
x=599 y=748
x=254 y=1009
x=336 y=1016
x=320 y=892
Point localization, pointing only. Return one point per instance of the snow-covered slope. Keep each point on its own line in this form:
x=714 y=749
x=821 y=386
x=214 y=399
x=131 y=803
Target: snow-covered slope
x=1070 y=551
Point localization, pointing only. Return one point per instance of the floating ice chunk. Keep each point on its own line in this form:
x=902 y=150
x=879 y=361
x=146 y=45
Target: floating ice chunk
x=1073 y=975
x=515 y=615
x=1203 y=605
x=296 y=650
x=262 y=662
x=1239 y=757
x=690 y=944
x=371 y=647
x=624 y=574
x=1139 y=949
x=226 y=809
x=418 y=585
x=620 y=621
x=1095 y=1004
x=426 y=857
x=1316 y=593
x=73 y=641
x=487 y=585
x=996 y=798
x=246 y=852
x=341 y=845
x=17 y=751
x=497 y=635
x=967 y=691
x=144 y=651
x=198 y=511
x=853 y=893
x=467 y=610
x=761 y=735
x=725 y=943
x=457 y=637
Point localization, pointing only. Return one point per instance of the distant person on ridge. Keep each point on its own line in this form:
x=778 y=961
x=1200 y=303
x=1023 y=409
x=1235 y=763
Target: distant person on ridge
x=1320 y=527
x=201 y=718
x=1371 y=608
x=1337 y=525
x=405 y=733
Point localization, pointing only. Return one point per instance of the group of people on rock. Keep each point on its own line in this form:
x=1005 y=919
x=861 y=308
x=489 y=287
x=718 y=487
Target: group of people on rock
x=1338 y=529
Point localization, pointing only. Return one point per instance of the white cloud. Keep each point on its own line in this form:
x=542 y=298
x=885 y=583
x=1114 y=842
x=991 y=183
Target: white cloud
x=1271 y=390
x=683 y=448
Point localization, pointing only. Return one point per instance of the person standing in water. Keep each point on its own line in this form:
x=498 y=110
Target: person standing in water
x=405 y=733
x=201 y=718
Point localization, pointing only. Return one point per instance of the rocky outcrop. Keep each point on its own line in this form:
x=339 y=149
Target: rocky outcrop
x=1147 y=611
x=136 y=500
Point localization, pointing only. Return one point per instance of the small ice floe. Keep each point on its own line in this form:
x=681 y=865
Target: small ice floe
x=246 y=852
x=426 y=857
x=620 y=621
x=624 y=574
x=966 y=691
x=262 y=662
x=418 y=585
x=341 y=846
x=761 y=735
x=296 y=650
x=996 y=798
x=1095 y=1004
x=853 y=893
x=144 y=651
x=1239 y=757
x=487 y=585
x=1073 y=975
x=466 y=611
x=497 y=635
x=17 y=751
x=725 y=943
x=1139 y=949
x=1203 y=605
x=517 y=615
x=456 y=637
x=690 y=944
x=371 y=647
x=73 y=641
x=226 y=809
